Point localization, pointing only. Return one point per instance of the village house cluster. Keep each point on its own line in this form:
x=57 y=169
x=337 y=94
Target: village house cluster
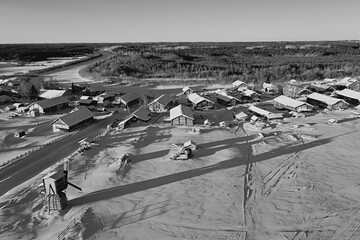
x=185 y=107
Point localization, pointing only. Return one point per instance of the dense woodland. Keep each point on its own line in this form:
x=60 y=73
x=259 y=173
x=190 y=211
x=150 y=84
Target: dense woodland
x=259 y=62
x=41 y=52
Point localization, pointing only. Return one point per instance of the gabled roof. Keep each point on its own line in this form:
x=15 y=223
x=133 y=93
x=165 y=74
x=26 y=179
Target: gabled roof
x=284 y=100
x=86 y=101
x=220 y=92
x=224 y=98
x=238 y=83
x=270 y=86
x=349 y=94
x=181 y=110
x=186 y=88
x=48 y=103
x=129 y=97
x=249 y=92
x=319 y=87
x=76 y=117
x=52 y=94
x=324 y=98
x=163 y=100
x=259 y=111
x=142 y=113
x=347 y=81
x=294 y=82
x=241 y=115
x=196 y=98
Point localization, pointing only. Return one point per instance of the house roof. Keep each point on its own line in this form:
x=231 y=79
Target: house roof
x=86 y=101
x=269 y=86
x=324 y=98
x=349 y=93
x=238 y=83
x=186 y=88
x=224 y=98
x=220 y=92
x=129 y=97
x=76 y=117
x=196 y=98
x=294 y=82
x=319 y=87
x=52 y=94
x=163 y=100
x=241 y=115
x=284 y=100
x=181 y=110
x=249 y=92
x=142 y=113
x=48 y=103
x=347 y=81
x=259 y=111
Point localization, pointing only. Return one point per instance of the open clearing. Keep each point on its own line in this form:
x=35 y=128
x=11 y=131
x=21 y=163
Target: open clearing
x=298 y=180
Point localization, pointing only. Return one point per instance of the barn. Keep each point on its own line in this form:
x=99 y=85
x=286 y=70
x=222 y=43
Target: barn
x=324 y=101
x=284 y=102
x=50 y=105
x=199 y=102
x=322 y=89
x=349 y=96
x=73 y=120
x=53 y=94
x=161 y=104
x=181 y=115
x=348 y=82
x=226 y=100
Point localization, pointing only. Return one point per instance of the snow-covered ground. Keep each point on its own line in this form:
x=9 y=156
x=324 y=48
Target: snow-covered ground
x=10 y=70
x=296 y=180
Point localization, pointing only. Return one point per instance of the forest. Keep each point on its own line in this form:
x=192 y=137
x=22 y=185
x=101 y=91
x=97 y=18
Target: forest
x=274 y=62
x=41 y=52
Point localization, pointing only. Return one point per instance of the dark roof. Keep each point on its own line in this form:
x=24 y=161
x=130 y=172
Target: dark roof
x=129 y=97
x=224 y=98
x=321 y=88
x=142 y=113
x=86 y=101
x=76 y=117
x=163 y=100
x=48 y=103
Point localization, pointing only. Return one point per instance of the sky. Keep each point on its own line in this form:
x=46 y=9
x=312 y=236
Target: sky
x=117 y=21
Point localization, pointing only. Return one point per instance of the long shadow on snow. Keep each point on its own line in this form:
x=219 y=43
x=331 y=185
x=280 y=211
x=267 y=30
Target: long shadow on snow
x=176 y=177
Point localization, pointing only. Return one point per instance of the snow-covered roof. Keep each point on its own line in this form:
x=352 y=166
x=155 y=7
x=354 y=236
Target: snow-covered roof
x=284 y=100
x=220 y=92
x=349 y=93
x=163 y=99
x=181 y=110
x=249 y=92
x=52 y=94
x=241 y=115
x=238 y=83
x=196 y=98
x=324 y=98
x=269 y=86
x=259 y=111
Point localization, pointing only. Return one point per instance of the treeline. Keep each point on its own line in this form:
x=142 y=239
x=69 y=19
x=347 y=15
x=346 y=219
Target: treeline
x=41 y=52
x=250 y=62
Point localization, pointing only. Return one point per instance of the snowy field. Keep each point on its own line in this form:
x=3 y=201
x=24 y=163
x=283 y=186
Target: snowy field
x=298 y=179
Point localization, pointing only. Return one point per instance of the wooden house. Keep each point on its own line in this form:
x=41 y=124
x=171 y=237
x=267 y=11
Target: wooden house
x=73 y=120
x=128 y=100
x=50 y=105
x=161 y=104
x=199 y=102
x=324 y=101
x=284 y=102
x=181 y=115
x=349 y=96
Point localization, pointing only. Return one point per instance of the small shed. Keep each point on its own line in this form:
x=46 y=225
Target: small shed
x=19 y=133
x=241 y=116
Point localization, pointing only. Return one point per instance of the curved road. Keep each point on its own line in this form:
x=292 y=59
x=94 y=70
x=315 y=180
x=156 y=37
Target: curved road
x=28 y=167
